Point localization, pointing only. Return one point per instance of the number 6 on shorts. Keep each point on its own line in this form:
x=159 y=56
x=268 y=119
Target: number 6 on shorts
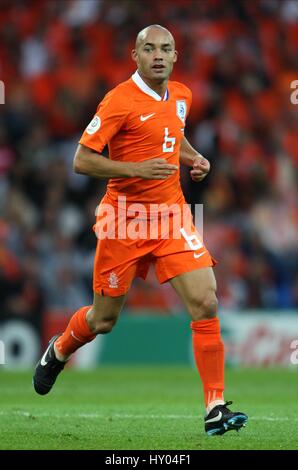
x=193 y=241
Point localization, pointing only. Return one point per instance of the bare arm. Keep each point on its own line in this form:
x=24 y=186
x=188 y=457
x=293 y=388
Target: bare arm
x=190 y=157
x=90 y=163
x=187 y=153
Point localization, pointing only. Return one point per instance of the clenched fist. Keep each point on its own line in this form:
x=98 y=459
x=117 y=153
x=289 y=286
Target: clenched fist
x=201 y=168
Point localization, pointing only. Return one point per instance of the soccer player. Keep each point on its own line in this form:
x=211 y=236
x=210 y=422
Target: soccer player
x=142 y=121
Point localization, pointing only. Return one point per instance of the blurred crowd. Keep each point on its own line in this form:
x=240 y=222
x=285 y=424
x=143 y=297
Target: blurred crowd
x=57 y=60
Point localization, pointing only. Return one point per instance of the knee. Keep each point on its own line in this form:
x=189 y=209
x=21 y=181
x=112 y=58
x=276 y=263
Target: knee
x=101 y=324
x=204 y=308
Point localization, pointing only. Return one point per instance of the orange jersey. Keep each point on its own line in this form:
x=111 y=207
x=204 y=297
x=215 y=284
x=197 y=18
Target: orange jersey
x=137 y=125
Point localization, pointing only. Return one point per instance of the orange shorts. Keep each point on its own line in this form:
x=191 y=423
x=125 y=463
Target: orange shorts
x=119 y=260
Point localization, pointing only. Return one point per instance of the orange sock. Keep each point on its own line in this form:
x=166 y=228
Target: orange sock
x=209 y=356
x=77 y=333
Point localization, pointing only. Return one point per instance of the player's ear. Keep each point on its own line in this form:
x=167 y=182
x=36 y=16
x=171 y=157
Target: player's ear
x=134 y=55
x=175 y=56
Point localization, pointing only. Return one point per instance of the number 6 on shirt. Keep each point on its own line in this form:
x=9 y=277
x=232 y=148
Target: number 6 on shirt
x=168 y=140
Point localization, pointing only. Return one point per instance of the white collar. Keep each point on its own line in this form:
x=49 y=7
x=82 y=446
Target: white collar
x=146 y=89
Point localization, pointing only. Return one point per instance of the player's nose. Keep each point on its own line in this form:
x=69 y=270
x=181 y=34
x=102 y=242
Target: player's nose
x=158 y=57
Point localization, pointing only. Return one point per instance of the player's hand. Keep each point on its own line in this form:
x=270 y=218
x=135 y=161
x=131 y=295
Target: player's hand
x=154 y=169
x=201 y=168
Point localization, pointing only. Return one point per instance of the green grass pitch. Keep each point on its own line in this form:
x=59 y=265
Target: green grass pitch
x=145 y=408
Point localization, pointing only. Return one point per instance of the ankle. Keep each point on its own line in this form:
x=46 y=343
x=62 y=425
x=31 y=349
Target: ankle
x=213 y=404
x=60 y=356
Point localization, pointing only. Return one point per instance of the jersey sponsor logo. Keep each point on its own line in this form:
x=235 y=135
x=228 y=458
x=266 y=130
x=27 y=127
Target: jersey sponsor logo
x=94 y=125
x=144 y=118
x=113 y=280
x=181 y=109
